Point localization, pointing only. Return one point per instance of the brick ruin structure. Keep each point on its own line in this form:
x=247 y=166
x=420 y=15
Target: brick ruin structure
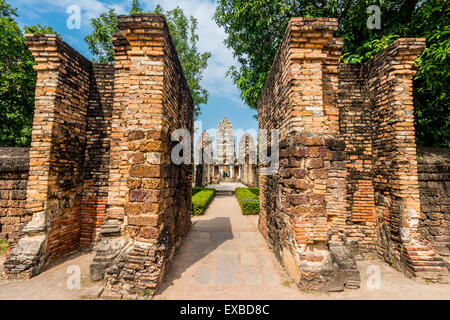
x=99 y=173
x=348 y=179
x=203 y=159
x=14 y=164
x=225 y=166
x=434 y=186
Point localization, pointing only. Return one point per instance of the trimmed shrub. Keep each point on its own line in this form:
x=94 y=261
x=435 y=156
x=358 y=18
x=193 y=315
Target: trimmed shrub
x=248 y=199
x=201 y=198
x=196 y=189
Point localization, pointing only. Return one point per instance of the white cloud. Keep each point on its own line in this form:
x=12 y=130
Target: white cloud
x=89 y=8
x=211 y=38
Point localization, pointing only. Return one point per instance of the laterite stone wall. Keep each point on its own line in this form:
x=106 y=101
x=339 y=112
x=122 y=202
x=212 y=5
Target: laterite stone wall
x=434 y=183
x=14 y=164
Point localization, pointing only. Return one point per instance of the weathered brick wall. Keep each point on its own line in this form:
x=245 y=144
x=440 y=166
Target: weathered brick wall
x=377 y=123
x=149 y=200
x=97 y=154
x=356 y=130
x=303 y=205
x=57 y=156
x=361 y=191
x=434 y=183
x=389 y=86
x=14 y=164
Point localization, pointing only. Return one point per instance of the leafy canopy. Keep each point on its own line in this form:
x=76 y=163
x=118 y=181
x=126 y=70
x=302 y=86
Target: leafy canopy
x=256 y=28
x=183 y=31
x=17 y=80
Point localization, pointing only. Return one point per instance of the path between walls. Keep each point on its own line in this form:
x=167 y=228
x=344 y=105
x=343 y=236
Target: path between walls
x=225 y=257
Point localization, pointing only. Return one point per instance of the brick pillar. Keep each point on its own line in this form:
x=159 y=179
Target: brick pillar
x=56 y=156
x=307 y=38
x=303 y=206
x=149 y=199
x=390 y=82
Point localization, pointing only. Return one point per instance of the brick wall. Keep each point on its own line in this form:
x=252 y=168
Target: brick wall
x=348 y=168
x=434 y=182
x=56 y=156
x=303 y=205
x=356 y=130
x=14 y=163
x=69 y=157
x=97 y=154
x=149 y=201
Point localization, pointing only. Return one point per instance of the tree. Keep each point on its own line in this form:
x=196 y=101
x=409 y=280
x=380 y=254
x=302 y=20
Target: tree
x=100 y=40
x=255 y=30
x=184 y=35
x=136 y=7
x=17 y=80
x=38 y=29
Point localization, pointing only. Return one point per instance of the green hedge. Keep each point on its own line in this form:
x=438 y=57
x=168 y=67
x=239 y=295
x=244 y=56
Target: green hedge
x=201 y=198
x=248 y=199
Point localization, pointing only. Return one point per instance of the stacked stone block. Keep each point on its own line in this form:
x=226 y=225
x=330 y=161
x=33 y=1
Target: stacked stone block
x=203 y=160
x=434 y=183
x=247 y=160
x=13 y=188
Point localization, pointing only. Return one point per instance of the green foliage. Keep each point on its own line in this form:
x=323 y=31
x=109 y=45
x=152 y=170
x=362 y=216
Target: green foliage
x=255 y=30
x=184 y=35
x=201 y=199
x=100 y=40
x=197 y=189
x=38 y=29
x=136 y=7
x=17 y=80
x=248 y=199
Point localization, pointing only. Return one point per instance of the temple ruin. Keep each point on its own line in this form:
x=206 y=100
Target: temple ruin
x=225 y=166
x=99 y=174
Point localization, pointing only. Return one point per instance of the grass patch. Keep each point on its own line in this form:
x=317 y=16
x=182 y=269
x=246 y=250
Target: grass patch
x=4 y=246
x=248 y=199
x=287 y=283
x=201 y=199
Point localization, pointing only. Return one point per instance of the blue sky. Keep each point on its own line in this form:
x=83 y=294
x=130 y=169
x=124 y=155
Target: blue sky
x=224 y=99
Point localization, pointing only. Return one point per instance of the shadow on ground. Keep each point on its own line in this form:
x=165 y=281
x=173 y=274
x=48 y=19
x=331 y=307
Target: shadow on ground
x=204 y=237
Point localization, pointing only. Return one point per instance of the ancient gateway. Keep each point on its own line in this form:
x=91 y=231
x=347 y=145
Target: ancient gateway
x=225 y=167
x=99 y=173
